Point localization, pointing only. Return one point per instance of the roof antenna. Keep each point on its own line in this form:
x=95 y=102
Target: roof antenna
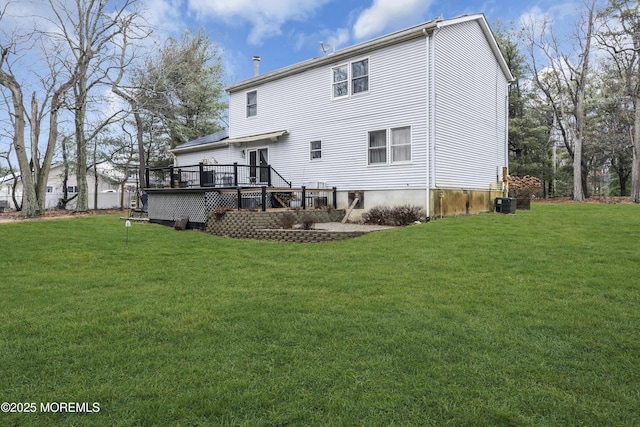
x=326 y=47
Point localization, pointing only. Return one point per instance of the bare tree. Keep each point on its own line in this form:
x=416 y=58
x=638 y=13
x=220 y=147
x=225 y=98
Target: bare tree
x=12 y=172
x=34 y=171
x=94 y=31
x=17 y=113
x=622 y=41
x=563 y=78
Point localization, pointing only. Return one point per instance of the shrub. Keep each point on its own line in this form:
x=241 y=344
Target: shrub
x=288 y=220
x=307 y=221
x=377 y=215
x=406 y=214
x=220 y=212
x=397 y=215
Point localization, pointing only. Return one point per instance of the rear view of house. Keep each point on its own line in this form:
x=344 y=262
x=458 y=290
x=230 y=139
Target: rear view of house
x=416 y=117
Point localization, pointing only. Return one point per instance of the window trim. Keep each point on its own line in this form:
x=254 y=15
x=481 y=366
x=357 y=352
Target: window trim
x=380 y=148
x=315 y=150
x=389 y=146
x=249 y=106
x=392 y=145
x=350 y=78
x=334 y=83
x=362 y=77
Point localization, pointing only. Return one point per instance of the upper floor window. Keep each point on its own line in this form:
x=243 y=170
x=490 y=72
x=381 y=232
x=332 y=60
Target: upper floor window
x=252 y=103
x=350 y=79
x=315 y=150
x=340 y=81
x=360 y=76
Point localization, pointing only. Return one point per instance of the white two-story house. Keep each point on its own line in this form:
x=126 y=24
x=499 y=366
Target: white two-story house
x=415 y=117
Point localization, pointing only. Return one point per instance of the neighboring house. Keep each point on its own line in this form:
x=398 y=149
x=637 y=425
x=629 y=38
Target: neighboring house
x=108 y=194
x=415 y=117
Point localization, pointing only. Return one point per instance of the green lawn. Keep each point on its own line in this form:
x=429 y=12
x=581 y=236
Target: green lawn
x=530 y=319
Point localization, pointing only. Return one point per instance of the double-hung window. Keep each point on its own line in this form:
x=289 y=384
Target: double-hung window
x=315 y=150
x=351 y=78
x=340 y=81
x=360 y=76
x=389 y=146
x=401 y=144
x=252 y=103
x=377 y=147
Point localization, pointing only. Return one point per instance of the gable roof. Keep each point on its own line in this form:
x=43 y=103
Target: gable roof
x=420 y=30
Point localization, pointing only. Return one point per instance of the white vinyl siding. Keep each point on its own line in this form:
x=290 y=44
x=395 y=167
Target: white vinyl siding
x=470 y=115
x=343 y=127
x=465 y=121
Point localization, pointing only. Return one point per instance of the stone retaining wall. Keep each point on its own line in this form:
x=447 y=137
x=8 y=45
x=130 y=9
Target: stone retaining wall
x=268 y=226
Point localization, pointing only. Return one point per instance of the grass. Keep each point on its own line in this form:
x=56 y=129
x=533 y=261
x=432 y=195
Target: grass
x=527 y=320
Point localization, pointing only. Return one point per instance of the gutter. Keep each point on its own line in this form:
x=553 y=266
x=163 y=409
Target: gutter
x=359 y=49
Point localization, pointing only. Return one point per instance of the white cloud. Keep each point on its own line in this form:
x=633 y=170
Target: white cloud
x=387 y=13
x=535 y=19
x=265 y=16
x=332 y=40
x=161 y=14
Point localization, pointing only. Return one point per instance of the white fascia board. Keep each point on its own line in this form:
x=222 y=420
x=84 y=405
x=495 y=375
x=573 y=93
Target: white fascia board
x=357 y=50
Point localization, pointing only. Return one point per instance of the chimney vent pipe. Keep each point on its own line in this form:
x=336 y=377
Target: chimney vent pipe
x=256 y=66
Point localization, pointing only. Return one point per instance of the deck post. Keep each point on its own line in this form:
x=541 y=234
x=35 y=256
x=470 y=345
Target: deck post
x=269 y=179
x=235 y=174
x=304 y=197
x=264 y=198
x=335 y=198
x=172 y=183
x=146 y=177
x=201 y=170
x=239 y=198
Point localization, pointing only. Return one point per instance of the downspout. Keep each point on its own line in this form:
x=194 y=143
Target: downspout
x=431 y=121
x=428 y=125
x=430 y=117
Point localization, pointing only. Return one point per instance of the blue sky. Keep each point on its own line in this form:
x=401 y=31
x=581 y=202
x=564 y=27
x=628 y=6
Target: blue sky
x=285 y=32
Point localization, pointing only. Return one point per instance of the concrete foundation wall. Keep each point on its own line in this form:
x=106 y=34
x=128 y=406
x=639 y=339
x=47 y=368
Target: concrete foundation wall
x=446 y=202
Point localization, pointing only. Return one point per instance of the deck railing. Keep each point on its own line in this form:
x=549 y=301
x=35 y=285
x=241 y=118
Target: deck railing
x=223 y=176
x=264 y=198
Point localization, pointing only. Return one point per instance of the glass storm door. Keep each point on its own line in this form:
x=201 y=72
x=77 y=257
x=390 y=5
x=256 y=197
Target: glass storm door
x=258 y=162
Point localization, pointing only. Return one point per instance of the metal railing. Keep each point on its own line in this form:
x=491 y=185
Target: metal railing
x=222 y=176
x=264 y=198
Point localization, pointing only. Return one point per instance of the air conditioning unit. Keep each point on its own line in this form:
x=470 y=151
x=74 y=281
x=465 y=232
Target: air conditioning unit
x=315 y=184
